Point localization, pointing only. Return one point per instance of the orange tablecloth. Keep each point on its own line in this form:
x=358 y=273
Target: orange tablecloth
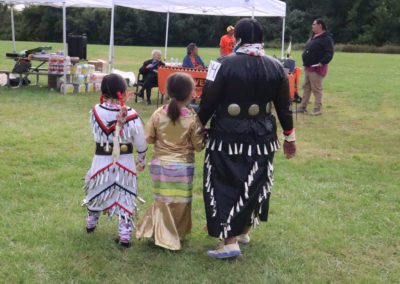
x=294 y=83
x=199 y=77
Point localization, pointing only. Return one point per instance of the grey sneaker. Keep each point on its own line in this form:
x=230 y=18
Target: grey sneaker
x=316 y=112
x=227 y=251
x=301 y=110
x=243 y=239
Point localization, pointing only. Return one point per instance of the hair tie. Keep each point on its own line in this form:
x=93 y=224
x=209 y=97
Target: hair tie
x=102 y=98
x=121 y=100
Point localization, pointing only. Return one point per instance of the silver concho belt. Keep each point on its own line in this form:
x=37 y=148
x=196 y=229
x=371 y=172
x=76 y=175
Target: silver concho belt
x=253 y=110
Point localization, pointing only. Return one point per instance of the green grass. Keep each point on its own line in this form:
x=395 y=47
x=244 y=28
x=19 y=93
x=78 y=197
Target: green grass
x=335 y=209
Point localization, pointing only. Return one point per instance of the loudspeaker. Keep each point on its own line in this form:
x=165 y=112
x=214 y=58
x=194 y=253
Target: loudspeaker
x=77 y=46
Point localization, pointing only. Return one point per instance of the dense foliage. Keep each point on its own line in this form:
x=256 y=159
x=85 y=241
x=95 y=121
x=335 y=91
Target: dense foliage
x=374 y=22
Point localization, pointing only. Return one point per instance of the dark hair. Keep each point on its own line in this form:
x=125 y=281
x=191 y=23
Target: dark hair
x=322 y=23
x=112 y=84
x=179 y=88
x=191 y=46
x=249 y=31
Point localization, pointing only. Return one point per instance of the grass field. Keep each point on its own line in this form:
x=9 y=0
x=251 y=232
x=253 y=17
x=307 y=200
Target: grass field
x=335 y=208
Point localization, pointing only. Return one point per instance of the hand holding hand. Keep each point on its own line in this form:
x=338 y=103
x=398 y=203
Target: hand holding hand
x=139 y=166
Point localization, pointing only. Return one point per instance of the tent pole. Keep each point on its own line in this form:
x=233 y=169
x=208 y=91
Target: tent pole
x=13 y=29
x=253 y=7
x=111 y=48
x=166 y=38
x=283 y=35
x=65 y=44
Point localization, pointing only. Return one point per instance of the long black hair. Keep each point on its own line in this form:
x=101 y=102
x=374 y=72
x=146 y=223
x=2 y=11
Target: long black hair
x=179 y=87
x=249 y=31
x=113 y=84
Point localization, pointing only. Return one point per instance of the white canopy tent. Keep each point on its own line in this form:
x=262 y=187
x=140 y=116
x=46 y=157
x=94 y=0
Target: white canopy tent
x=57 y=3
x=246 y=8
x=249 y=8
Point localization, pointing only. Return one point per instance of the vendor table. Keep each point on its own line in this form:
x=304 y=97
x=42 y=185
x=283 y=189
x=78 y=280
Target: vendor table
x=199 y=76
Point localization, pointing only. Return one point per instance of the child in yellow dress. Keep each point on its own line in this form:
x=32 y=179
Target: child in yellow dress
x=176 y=133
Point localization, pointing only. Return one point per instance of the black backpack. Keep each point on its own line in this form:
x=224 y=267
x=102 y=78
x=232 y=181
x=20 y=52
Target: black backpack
x=22 y=66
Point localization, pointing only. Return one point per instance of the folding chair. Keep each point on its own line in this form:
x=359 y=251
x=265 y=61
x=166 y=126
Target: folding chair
x=139 y=84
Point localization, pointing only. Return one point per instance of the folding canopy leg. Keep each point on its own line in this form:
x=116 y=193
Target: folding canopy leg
x=13 y=29
x=166 y=38
x=65 y=44
x=111 y=48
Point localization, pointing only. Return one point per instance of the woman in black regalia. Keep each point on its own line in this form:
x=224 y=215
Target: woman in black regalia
x=238 y=169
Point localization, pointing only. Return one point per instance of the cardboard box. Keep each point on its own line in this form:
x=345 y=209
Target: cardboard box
x=99 y=65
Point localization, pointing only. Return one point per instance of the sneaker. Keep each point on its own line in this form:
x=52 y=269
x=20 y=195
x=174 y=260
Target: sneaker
x=316 y=112
x=123 y=244
x=90 y=230
x=91 y=221
x=226 y=251
x=301 y=110
x=243 y=239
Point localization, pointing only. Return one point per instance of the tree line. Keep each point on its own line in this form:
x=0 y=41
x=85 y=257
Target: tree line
x=372 y=22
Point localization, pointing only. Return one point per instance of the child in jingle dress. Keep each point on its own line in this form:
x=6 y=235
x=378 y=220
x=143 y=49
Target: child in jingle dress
x=111 y=185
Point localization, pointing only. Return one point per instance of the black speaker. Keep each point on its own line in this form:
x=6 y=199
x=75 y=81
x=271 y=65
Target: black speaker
x=77 y=46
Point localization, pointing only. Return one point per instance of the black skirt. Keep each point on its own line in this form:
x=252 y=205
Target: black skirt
x=238 y=174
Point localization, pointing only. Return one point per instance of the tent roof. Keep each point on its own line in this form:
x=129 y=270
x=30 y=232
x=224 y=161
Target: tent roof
x=260 y=8
x=59 y=3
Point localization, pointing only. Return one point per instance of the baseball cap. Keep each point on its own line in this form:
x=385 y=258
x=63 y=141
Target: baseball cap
x=230 y=28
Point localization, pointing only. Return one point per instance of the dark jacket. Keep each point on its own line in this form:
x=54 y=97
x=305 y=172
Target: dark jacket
x=246 y=80
x=143 y=70
x=318 y=50
x=187 y=61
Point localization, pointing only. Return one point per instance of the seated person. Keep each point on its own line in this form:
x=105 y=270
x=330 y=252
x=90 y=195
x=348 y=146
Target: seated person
x=149 y=71
x=192 y=59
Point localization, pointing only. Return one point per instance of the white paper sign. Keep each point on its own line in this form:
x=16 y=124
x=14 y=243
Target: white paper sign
x=213 y=68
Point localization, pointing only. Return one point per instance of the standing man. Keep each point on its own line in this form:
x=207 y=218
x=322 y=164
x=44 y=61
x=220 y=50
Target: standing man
x=149 y=70
x=227 y=42
x=318 y=52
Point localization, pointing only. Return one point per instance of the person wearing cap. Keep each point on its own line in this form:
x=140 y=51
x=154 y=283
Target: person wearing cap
x=227 y=42
x=192 y=58
x=242 y=139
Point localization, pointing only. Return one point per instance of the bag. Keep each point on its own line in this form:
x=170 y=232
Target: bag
x=15 y=82
x=22 y=66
